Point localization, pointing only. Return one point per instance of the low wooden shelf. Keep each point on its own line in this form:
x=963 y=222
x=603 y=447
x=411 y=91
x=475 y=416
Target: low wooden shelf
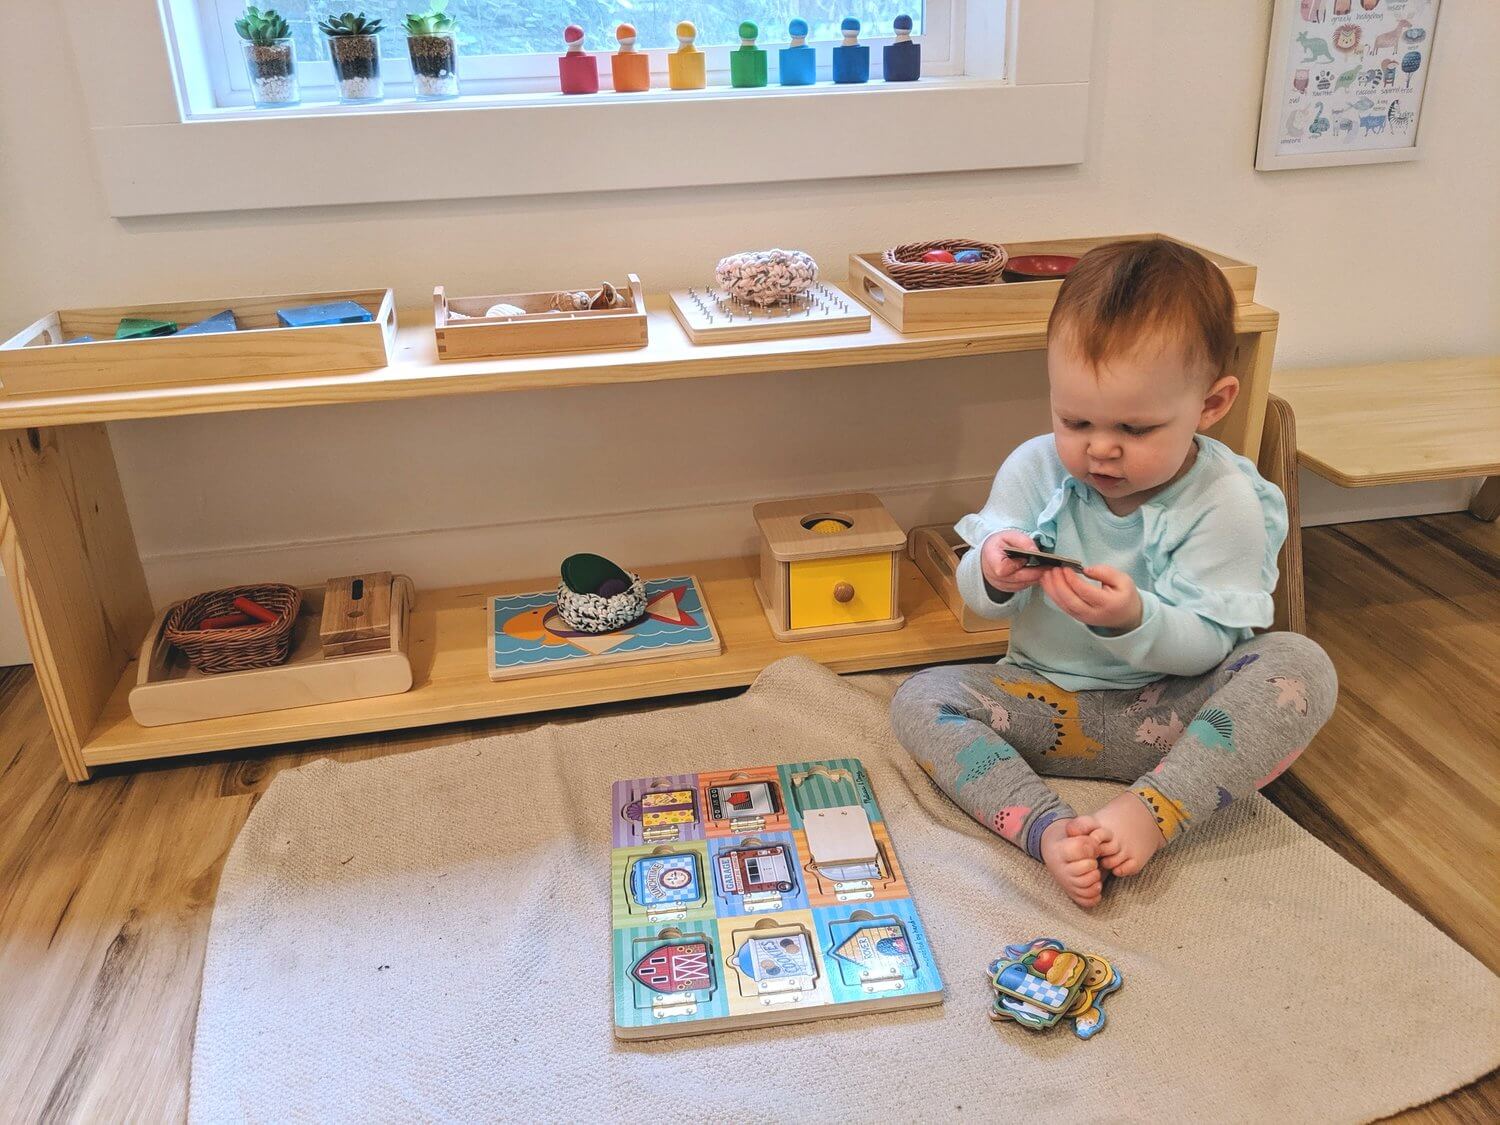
x=70 y=556
x=451 y=680
x=416 y=371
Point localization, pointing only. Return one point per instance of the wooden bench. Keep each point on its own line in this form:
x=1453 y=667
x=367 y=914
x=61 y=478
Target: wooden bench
x=1400 y=422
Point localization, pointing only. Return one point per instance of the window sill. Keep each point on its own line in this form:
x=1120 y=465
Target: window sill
x=526 y=144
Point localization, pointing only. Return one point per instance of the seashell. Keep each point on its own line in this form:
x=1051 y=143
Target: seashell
x=502 y=309
x=766 y=277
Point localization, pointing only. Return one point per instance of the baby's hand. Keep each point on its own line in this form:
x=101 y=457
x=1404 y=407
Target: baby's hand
x=1113 y=604
x=1003 y=572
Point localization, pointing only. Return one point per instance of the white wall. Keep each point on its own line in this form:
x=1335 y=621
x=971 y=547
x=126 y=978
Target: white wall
x=1368 y=263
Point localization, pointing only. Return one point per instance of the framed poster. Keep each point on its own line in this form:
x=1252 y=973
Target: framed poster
x=1344 y=82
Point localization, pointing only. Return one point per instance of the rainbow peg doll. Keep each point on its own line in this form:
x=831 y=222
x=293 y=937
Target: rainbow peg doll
x=629 y=70
x=577 y=71
x=851 y=60
x=799 y=62
x=747 y=65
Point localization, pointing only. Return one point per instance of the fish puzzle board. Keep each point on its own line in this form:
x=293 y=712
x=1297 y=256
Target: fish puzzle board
x=729 y=913
x=709 y=316
x=528 y=637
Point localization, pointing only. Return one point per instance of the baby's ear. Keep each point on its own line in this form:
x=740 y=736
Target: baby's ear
x=1219 y=399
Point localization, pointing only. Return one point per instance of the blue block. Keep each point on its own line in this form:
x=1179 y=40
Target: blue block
x=851 y=64
x=902 y=61
x=219 y=322
x=309 y=316
x=799 y=66
x=80 y=340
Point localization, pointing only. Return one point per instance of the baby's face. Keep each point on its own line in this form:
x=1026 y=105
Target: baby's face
x=1128 y=427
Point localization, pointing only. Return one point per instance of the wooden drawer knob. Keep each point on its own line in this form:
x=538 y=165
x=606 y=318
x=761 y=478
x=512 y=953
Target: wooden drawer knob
x=843 y=593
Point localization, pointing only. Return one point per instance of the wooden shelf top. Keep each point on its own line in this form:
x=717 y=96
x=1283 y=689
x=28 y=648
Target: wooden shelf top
x=417 y=372
x=1393 y=423
x=452 y=684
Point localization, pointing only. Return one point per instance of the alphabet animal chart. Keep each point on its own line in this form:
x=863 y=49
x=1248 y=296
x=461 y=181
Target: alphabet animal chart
x=1344 y=81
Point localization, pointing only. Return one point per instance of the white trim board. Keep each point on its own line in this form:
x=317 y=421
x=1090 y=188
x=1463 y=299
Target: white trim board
x=154 y=163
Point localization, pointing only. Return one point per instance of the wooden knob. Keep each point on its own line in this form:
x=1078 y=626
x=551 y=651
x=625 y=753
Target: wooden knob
x=843 y=593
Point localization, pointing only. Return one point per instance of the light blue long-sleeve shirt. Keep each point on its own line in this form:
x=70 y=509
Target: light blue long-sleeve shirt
x=1202 y=552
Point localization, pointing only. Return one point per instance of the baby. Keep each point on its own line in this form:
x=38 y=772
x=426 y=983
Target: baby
x=1144 y=667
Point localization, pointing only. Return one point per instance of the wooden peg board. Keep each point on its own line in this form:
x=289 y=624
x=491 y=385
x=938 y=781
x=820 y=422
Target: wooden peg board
x=710 y=317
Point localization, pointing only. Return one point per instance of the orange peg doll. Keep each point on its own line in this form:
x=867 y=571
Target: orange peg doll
x=630 y=71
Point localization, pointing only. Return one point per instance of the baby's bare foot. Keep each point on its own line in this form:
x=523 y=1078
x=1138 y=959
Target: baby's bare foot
x=1073 y=862
x=1087 y=825
x=1134 y=836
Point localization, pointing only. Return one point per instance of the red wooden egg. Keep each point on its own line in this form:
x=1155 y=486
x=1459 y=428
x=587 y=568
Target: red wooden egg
x=937 y=256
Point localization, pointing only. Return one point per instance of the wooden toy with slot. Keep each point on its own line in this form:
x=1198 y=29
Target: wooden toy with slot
x=829 y=565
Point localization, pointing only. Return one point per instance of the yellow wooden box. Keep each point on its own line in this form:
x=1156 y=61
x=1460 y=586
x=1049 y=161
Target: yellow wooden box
x=829 y=565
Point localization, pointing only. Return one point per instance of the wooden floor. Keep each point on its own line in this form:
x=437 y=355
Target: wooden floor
x=106 y=888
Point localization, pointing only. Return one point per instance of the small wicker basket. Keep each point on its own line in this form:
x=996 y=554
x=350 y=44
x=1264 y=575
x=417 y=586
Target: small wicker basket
x=240 y=649
x=904 y=265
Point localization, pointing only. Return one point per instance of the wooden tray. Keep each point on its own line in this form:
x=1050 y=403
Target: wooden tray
x=38 y=360
x=539 y=330
x=935 y=548
x=168 y=691
x=709 y=317
x=1005 y=302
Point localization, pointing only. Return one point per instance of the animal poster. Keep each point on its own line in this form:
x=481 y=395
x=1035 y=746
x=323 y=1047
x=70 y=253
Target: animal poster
x=1344 y=81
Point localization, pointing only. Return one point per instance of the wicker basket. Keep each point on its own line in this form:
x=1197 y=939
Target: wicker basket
x=235 y=650
x=904 y=264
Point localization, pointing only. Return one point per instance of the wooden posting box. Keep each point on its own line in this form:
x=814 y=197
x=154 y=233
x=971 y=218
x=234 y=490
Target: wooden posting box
x=829 y=565
x=936 y=549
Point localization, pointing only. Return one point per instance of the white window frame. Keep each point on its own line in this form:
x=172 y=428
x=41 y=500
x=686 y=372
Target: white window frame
x=227 y=91
x=1022 y=101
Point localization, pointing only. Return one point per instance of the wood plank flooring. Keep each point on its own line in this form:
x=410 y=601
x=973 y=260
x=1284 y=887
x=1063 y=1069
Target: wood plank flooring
x=106 y=888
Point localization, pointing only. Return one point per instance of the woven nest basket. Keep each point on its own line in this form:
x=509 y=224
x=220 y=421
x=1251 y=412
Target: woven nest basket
x=240 y=649
x=904 y=265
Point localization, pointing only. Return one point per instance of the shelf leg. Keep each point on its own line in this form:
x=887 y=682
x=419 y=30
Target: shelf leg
x=69 y=553
x=1278 y=464
x=1486 y=502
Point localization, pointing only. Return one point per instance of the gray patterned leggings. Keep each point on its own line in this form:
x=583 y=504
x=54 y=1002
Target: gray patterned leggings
x=1188 y=744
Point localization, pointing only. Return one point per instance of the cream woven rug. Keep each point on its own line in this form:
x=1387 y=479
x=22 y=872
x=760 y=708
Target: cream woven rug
x=424 y=937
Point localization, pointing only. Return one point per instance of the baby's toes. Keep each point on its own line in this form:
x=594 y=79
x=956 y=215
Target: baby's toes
x=1083 y=826
x=1127 y=865
x=1078 y=847
x=1104 y=842
x=1112 y=861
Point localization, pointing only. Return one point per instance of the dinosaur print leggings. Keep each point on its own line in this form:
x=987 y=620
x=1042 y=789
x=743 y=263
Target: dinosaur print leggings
x=1188 y=745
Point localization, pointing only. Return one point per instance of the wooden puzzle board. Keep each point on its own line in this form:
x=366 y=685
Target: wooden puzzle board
x=527 y=637
x=723 y=918
x=709 y=317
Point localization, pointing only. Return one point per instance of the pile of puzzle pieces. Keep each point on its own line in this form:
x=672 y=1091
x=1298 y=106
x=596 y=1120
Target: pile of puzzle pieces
x=1042 y=982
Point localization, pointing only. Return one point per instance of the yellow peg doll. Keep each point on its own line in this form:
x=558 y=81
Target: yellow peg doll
x=685 y=69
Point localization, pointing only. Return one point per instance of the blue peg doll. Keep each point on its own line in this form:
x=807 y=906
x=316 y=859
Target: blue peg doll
x=851 y=61
x=799 y=62
x=902 y=60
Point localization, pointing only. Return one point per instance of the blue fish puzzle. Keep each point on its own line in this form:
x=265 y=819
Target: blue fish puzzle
x=312 y=316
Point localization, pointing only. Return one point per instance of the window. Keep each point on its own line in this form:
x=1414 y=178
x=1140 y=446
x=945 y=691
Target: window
x=1016 y=95
x=509 y=48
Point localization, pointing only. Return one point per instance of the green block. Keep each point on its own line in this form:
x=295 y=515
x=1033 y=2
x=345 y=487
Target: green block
x=747 y=67
x=136 y=328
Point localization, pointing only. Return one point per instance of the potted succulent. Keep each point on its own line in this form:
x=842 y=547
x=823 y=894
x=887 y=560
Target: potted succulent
x=269 y=57
x=355 y=52
x=432 y=42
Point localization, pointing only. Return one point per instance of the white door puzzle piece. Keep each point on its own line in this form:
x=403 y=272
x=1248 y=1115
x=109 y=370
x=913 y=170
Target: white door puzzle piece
x=840 y=835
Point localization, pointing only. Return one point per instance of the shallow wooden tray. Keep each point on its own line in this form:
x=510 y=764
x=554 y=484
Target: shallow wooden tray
x=540 y=330
x=934 y=547
x=167 y=690
x=1004 y=302
x=38 y=359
